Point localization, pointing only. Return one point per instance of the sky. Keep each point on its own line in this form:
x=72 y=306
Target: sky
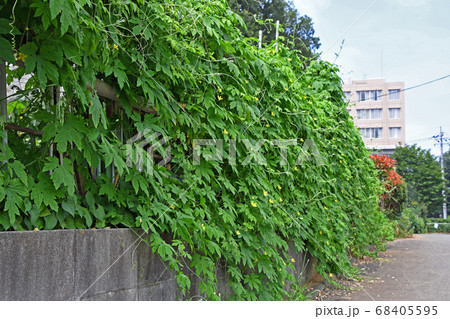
x=399 y=40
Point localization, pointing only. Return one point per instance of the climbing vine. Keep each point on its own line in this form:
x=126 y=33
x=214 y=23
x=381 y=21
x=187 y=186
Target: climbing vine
x=100 y=72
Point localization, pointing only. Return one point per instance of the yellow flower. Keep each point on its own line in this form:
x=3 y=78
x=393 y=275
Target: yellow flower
x=140 y=220
x=279 y=187
x=220 y=90
x=283 y=283
x=225 y=131
x=36 y=229
x=115 y=46
x=290 y=80
x=320 y=232
x=325 y=207
x=284 y=263
x=254 y=204
x=219 y=98
x=289 y=59
x=171 y=206
x=310 y=102
x=298 y=213
x=295 y=168
x=342 y=191
x=265 y=193
x=315 y=119
x=200 y=81
x=301 y=140
x=331 y=275
x=328 y=242
x=348 y=178
x=256 y=98
x=246 y=81
x=203 y=227
x=267 y=125
x=265 y=253
x=286 y=89
x=340 y=161
x=281 y=199
x=335 y=200
x=21 y=117
x=21 y=57
x=238 y=233
x=293 y=260
x=271 y=201
x=273 y=114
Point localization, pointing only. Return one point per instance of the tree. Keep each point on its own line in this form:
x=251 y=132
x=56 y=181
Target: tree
x=296 y=28
x=423 y=177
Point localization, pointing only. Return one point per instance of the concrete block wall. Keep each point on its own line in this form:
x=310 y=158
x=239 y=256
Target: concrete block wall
x=100 y=264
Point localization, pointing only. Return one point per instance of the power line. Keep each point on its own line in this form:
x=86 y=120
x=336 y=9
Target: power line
x=411 y=87
x=426 y=83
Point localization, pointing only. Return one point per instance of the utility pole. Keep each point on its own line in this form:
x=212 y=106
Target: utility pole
x=444 y=205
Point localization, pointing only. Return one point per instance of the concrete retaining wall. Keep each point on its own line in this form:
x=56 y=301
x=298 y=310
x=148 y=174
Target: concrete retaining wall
x=103 y=264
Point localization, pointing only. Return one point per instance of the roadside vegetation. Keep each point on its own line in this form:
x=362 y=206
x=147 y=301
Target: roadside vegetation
x=100 y=74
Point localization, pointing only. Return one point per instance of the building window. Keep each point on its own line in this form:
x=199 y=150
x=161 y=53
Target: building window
x=394 y=94
x=394 y=113
x=371 y=132
x=372 y=95
x=395 y=132
x=370 y=114
x=347 y=94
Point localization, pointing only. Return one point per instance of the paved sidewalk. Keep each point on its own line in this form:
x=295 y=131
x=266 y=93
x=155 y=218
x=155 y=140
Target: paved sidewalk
x=416 y=268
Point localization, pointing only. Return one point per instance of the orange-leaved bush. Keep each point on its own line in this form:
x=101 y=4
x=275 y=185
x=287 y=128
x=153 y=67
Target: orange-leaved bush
x=394 y=192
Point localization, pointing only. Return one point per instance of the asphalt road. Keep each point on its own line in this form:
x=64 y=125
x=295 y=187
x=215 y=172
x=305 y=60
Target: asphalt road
x=416 y=268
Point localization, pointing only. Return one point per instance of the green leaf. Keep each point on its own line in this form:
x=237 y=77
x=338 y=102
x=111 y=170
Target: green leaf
x=50 y=221
x=69 y=205
x=34 y=215
x=98 y=111
x=90 y=200
x=6 y=50
x=5 y=28
x=62 y=174
x=99 y=213
x=14 y=200
x=55 y=7
x=70 y=132
x=19 y=170
x=51 y=51
x=44 y=192
x=52 y=163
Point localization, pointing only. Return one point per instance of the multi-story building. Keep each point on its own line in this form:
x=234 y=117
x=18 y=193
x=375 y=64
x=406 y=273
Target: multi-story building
x=378 y=110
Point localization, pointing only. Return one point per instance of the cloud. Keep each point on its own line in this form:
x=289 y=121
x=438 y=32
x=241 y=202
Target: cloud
x=313 y=8
x=413 y=3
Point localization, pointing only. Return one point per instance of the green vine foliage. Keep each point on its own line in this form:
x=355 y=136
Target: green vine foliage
x=202 y=80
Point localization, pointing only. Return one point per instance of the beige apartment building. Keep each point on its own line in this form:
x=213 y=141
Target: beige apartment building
x=378 y=110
